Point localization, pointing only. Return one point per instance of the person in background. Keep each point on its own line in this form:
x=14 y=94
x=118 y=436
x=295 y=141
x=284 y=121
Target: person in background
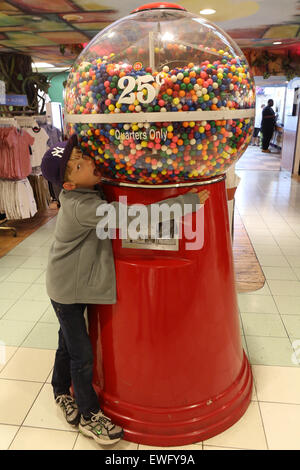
x=267 y=126
x=257 y=125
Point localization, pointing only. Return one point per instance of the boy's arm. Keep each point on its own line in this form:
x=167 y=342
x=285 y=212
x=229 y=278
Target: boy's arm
x=87 y=211
x=90 y=211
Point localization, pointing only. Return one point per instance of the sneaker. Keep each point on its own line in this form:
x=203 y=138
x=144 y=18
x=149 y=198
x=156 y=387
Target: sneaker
x=100 y=428
x=69 y=408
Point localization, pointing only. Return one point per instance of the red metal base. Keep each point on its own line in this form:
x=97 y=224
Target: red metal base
x=169 y=365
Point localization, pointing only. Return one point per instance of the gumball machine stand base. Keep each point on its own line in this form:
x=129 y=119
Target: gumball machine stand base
x=169 y=364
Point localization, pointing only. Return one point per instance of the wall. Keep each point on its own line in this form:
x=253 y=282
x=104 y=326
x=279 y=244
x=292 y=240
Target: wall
x=296 y=167
x=290 y=148
x=56 y=89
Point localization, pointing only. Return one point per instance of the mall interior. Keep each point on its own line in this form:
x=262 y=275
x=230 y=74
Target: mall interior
x=39 y=43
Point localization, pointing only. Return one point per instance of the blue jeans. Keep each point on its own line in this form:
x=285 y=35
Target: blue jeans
x=74 y=358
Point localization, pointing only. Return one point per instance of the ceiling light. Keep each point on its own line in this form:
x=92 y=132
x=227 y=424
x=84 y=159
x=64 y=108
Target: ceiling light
x=167 y=36
x=277 y=42
x=42 y=64
x=207 y=11
x=72 y=17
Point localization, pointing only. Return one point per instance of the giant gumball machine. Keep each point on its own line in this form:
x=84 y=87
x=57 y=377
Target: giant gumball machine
x=164 y=101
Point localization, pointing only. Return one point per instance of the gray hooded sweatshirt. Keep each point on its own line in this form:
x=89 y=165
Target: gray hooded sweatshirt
x=81 y=266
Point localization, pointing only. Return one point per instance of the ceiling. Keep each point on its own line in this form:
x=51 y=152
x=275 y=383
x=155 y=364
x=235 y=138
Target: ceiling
x=38 y=28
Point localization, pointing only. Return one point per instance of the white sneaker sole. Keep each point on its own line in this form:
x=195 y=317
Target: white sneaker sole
x=102 y=441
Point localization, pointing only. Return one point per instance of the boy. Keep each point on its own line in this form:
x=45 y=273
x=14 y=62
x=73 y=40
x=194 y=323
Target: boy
x=81 y=271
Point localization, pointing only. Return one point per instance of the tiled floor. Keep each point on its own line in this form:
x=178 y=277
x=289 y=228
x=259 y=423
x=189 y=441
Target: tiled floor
x=254 y=159
x=269 y=204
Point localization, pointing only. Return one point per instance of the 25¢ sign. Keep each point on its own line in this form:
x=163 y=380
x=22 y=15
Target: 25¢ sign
x=145 y=90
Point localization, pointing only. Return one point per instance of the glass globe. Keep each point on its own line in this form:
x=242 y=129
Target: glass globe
x=161 y=96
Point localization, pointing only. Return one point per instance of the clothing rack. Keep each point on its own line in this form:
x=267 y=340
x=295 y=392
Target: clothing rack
x=41 y=193
x=41 y=118
x=26 y=121
x=9 y=121
x=18 y=122
x=7 y=228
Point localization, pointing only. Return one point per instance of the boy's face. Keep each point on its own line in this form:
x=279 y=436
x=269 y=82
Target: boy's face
x=81 y=171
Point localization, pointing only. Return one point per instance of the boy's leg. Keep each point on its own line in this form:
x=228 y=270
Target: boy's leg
x=75 y=340
x=76 y=343
x=61 y=382
x=61 y=377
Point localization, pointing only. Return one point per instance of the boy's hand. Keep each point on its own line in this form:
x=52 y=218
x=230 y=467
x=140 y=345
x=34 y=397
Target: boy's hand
x=203 y=195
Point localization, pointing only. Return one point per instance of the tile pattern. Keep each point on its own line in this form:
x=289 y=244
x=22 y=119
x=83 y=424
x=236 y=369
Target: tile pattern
x=268 y=203
x=25 y=227
x=254 y=159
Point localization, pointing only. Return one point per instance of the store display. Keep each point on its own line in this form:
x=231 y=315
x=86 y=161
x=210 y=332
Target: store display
x=23 y=190
x=153 y=102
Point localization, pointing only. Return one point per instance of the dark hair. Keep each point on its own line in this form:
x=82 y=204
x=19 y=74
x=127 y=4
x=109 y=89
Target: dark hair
x=270 y=102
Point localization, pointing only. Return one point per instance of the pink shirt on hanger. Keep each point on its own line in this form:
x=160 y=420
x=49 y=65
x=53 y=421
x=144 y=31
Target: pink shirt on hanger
x=19 y=142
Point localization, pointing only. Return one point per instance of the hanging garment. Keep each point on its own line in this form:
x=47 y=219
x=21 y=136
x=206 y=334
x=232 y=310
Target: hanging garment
x=17 y=199
x=14 y=153
x=39 y=146
x=41 y=191
x=54 y=134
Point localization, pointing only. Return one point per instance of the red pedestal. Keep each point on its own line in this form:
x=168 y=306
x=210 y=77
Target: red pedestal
x=169 y=364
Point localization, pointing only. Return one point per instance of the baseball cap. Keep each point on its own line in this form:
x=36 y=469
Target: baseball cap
x=55 y=160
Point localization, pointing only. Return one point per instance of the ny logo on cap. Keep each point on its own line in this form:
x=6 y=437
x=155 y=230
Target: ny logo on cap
x=57 y=152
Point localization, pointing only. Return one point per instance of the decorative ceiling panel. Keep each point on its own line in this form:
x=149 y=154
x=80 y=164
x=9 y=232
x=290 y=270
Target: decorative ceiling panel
x=88 y=27
x=21 y=39
x=39 y=28
x=37 y=6
x=80 y=17
x=65 y=37
x=32 y=23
